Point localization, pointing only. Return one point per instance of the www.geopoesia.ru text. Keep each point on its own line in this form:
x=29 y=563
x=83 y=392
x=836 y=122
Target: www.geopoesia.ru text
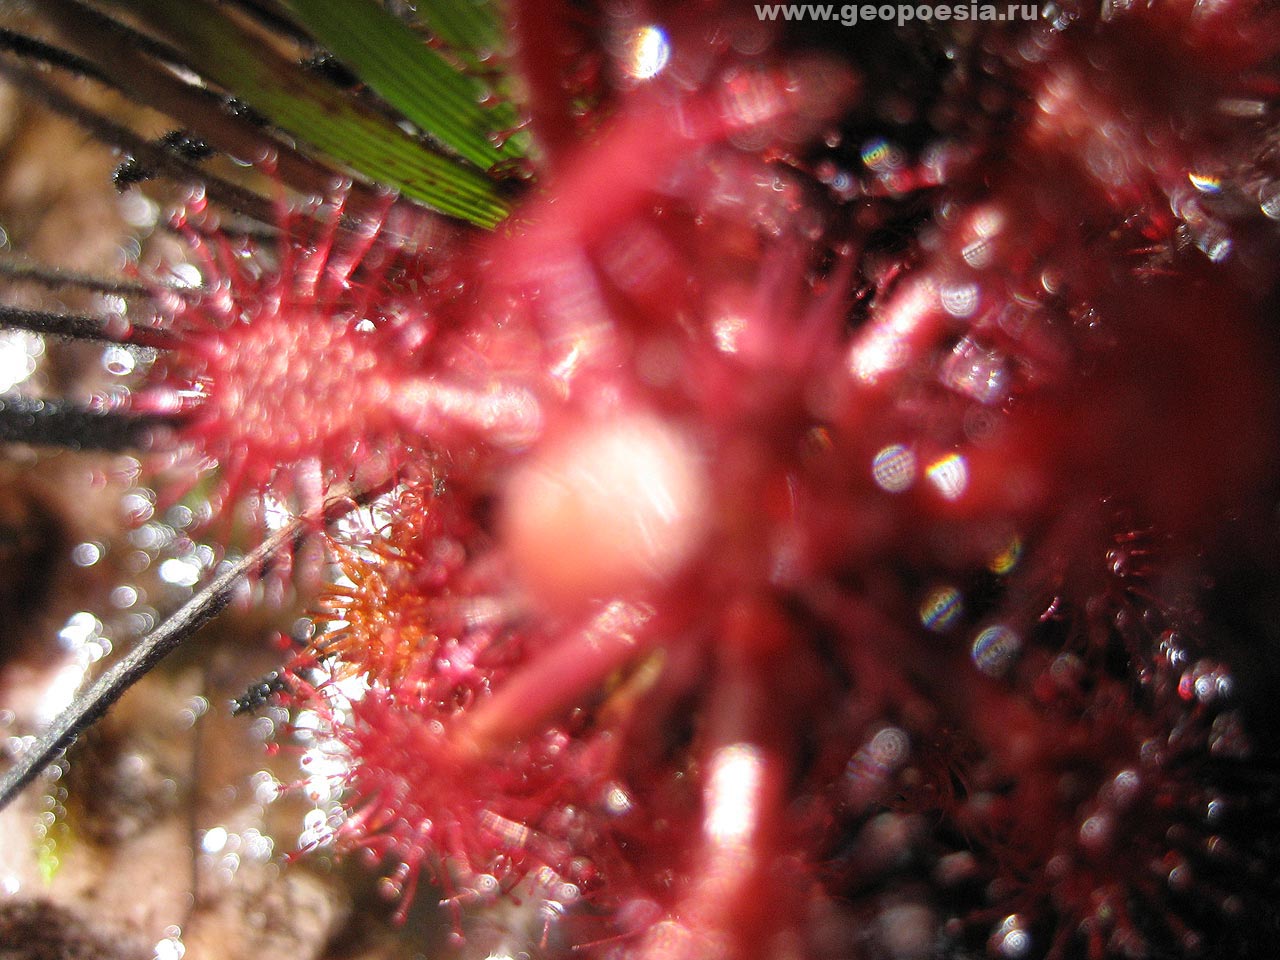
x=851 y=14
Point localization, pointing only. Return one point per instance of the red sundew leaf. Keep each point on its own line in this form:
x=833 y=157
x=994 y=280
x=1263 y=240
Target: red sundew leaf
x=329 y=366
x=253 y=350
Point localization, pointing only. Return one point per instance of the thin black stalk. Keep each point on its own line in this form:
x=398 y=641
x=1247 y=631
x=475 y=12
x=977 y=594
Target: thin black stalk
x=55 y=278
x=77 y=326
x=206 y=604
x=56 y=423
x=275 y=18
x=120 y=54
x=29 y=48
x=178 y=628
x=151 y=155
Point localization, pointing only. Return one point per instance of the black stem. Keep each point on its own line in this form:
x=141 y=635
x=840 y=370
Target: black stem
x=55 y=278
x=56 y=423
x=149 y=154
x=275 y=18
x=29 y=48
x=154 y=647
x=119 y=53
x=78 y=326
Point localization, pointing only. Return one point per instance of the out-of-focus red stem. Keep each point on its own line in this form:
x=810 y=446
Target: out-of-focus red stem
x=558 y=677
x=537 y=27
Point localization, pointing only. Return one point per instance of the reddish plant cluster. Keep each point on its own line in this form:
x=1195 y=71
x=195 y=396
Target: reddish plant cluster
x=805 y=502
x=297 y=370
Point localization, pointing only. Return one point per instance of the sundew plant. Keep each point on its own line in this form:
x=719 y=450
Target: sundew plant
x=742 y=485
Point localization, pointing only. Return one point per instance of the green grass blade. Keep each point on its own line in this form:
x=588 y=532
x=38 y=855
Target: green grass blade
x=311 y=110
x=469 y=27
x=414 y=79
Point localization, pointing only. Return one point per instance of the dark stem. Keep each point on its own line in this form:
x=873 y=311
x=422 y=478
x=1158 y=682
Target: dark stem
x=154 y=647
x=29 y=48
x=55 y=278
x=275 y=18
x=149 y=154
x=183 y=624
x=117 y=54
x=55 y=423
x=81 y=327
x=540 y=59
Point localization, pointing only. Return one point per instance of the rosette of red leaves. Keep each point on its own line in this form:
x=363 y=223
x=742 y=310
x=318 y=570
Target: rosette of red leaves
x=938 y=671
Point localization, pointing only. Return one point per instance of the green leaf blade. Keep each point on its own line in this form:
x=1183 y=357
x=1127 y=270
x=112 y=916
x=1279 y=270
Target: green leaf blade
x=312 y=111
x=410 y=76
